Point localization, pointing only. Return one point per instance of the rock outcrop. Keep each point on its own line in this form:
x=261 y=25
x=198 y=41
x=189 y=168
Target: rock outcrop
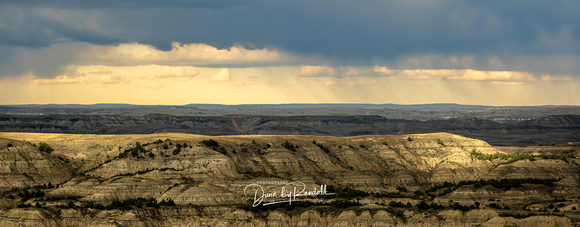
x=182 y=179
x=22 y=164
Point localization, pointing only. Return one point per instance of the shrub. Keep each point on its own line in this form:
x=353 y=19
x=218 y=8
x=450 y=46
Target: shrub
x=516 y=157
x=210 y=143
x=390 y=195
x=151 y=202
x=409 y=139
x=457 y=206
x=42 y=146
x=402 y=189
x=138 y=202
x=222 y=150
x=347 y=193
x=177 y=150
x=501 y=184
x=325 y=149
x=396 y=204
x=167 y=202
x=515 y=215
x=344 y=203
x=436 y=206
x=133 y=151
x=423 y=205
x=289 y=146
x=23 y=205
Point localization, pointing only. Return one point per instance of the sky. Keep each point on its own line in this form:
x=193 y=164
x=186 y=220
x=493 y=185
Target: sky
x=502 y=53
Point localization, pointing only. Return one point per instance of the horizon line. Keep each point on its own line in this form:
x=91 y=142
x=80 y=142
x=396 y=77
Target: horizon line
x=282 y=104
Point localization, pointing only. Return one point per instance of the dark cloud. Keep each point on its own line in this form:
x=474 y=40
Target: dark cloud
x=121 y=4
x=345 y=32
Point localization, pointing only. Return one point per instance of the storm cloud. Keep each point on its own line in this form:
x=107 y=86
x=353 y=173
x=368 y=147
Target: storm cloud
x=346 y=32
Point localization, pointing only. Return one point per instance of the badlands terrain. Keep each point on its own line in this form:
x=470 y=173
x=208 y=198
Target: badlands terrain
x=174 y=179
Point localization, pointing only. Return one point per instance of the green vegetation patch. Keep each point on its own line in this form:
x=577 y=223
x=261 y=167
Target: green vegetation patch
x=134 y=151
x=506 y=184
x=214 y=145
x=44 y=147
x=341 y=204
x=325 y=149
x=510 y=158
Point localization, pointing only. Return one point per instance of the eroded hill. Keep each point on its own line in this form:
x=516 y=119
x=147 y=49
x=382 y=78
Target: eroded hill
x=182 y=179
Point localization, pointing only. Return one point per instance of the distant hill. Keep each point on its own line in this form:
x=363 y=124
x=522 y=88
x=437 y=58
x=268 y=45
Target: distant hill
x=543 y=130
x=281 y=106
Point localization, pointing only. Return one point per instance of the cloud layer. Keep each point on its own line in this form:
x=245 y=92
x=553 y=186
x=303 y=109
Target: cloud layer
x=56 y=59
x=533 y=36
x=345 y=31
x=326 y=51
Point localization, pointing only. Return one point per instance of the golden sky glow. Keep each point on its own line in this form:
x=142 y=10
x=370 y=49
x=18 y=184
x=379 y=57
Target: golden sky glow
x=131 y=79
